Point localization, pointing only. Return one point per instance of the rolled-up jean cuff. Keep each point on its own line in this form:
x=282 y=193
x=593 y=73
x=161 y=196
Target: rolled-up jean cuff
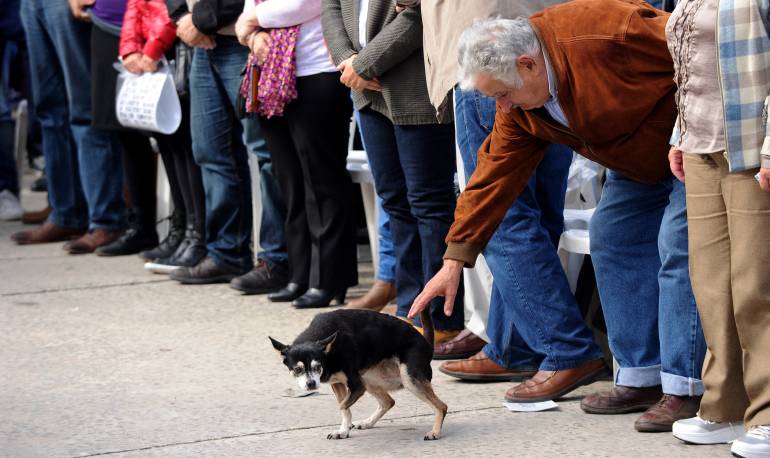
x=386 y=279
x=638 y=377
x=679 y=385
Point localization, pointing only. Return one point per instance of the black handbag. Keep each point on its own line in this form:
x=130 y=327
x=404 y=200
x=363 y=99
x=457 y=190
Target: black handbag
x=183 y=55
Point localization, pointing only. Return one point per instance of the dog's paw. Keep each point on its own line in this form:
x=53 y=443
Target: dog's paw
x=431 y=436
x=338 y=435
x=363 y=425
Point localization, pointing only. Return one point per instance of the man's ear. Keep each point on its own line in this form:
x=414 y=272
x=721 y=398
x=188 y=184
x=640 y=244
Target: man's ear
x=328 y=342
x=278 y=345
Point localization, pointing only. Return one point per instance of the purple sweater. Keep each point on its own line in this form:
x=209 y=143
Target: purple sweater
x=110 y=11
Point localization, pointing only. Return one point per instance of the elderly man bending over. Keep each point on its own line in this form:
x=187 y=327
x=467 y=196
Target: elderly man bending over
x=596 y=76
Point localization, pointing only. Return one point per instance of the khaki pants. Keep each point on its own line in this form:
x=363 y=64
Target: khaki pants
x=729 y=233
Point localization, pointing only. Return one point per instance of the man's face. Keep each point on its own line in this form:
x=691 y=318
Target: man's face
x=533 y=94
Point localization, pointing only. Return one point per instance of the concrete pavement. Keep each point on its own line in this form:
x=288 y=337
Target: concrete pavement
x=99 y=358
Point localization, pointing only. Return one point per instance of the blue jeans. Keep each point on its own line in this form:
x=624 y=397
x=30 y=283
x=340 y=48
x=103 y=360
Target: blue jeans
x=534 y=321
x=272 y=235
x=386 y=268
x=83 y=163
x=413 y=168
x=639 y=249
x=9 y=176
x=218 y=149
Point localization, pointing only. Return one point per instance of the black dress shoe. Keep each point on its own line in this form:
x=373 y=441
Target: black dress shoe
x=288 y=293
x=315 y=298
x=191 y=252
x=262 y=279
x=206 y=272
x=132 y=241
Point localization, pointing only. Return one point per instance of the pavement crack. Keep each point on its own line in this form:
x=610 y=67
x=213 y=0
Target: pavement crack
x=79 y=288
x=264 y=433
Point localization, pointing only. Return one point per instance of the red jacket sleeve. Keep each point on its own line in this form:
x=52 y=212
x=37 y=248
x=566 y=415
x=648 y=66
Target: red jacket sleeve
x=160 y=30
x=131 y=39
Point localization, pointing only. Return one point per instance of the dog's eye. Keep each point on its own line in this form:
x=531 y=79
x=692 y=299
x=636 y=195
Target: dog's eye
x=297 y=370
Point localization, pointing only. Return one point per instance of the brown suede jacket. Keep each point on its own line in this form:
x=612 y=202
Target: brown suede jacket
x=614 y=77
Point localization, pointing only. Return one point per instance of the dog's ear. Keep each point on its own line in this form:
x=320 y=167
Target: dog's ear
x=328 y=342
x=278 y=345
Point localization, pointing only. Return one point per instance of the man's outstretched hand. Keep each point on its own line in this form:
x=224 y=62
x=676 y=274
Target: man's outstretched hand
x=444 y=283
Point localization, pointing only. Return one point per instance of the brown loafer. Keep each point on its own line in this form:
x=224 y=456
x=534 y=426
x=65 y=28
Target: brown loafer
x=548 y=385
x=47 y=233
x=621 y=399
x=465 y=345
x=660 y=417
x=36 y=217
x=479 y=368
x=379 y=295
x=91 y=241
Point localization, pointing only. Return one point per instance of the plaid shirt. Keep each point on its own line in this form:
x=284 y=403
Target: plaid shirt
x=743 y=38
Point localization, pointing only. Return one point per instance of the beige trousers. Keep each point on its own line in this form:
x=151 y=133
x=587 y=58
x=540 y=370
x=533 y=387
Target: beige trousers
x=729 y=241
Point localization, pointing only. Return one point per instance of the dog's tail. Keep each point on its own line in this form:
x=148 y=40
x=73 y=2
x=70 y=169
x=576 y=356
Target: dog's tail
x=427 y=325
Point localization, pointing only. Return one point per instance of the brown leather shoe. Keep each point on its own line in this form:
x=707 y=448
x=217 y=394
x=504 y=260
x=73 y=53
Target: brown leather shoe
x=378 y=296
x=36 y=217
x=91 y=241
x=479 y=368
x=621 y=399
x=670 y=408
x=547 y=385
x=47 y=233
x=465 y=345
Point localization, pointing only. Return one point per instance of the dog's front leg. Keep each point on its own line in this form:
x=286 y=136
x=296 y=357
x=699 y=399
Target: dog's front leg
x=341 y=393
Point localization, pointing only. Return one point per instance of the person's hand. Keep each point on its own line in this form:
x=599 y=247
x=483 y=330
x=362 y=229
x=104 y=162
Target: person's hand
x=259 y=43
x=246 y=25
x=444 y=283
x=764 y=179
x=352 y=80
x=79 y=9
x=191 y=36
x=131 y=62
x=675 y=162
x=148 y=64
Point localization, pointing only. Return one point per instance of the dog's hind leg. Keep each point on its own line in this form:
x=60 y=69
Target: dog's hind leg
x=385 y=404
x=424 y=391
x=341 y=393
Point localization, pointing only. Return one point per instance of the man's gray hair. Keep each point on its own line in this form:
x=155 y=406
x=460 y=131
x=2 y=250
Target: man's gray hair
x=492 y=46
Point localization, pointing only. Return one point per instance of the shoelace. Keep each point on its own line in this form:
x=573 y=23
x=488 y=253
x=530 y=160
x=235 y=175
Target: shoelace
x=760 y=432
x=707 y=422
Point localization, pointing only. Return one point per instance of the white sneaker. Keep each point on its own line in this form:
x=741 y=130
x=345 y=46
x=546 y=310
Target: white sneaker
x=696 y=430
x=754 y=444
x=10 y=207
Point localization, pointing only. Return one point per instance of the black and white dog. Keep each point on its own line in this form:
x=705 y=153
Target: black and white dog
x=359 y=351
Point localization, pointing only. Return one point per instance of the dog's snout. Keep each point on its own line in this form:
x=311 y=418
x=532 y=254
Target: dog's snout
x=311 y=384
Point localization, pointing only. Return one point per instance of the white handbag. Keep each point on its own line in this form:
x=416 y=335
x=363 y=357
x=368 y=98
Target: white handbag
x=148 y=101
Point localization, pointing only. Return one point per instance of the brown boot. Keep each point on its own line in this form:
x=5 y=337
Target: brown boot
x=621 y=399
x=479 y=368
x=548 y=385
x=47 y=233
x=378 y=296
x=36 y=217
x=660 y=417
x=92 y=240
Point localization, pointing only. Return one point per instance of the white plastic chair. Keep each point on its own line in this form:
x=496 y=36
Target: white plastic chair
x=358 y=167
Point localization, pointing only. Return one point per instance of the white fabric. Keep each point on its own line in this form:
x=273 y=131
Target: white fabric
x=363 y=16
x=312 y=55
x=10 y=207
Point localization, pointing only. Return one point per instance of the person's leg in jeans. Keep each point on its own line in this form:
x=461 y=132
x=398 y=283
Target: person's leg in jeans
x=218 y=149
x=9 y=177
x=54 y=53
x=638 y=246
x=534 y=321
x=383 y=290
x=271 y=272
